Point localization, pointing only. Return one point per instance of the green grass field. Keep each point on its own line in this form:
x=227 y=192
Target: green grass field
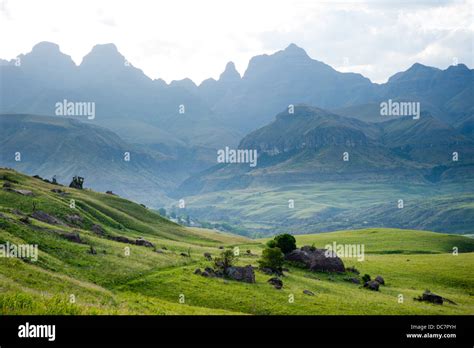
x=144 y=281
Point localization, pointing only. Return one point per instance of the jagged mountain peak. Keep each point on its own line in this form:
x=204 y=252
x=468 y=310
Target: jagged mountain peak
x=230 y=73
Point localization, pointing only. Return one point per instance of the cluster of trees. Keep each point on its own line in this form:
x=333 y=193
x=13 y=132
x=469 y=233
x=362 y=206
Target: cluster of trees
x=273 y=255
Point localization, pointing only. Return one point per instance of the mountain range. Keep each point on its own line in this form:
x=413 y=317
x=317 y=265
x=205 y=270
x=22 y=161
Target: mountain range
x=174 y=130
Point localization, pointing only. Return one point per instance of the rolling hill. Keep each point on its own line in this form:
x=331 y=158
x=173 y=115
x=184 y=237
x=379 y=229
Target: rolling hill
x=93 y=266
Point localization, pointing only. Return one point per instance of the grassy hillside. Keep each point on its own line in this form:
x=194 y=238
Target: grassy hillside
x=152 y=280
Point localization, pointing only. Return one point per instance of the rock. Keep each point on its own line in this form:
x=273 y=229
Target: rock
x=221 y=247
x=159 y=251
x=380 y=280
x=58 y=191
x=428 y=296
x=45 y=217
x=144 y=242
x=164 y=248
x=97 y=229
x=208 y=256
x=122 y=239
x=353 y=270
x=205 y=274
x=244 y=274
x=277 y=283
x=110 y=193
x=25 y=220
x=316 y=259
x=7 y=185
x=352 y=280
x=184 y=254
x=21 y=192
x=92 y=250
x=73 y=237
x=197 y=271
x=74 y=219
x=307 y=292
x=372 y=285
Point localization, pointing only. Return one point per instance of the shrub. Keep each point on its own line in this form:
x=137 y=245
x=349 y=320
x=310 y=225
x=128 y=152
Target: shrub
x=366 y=278
x=272 y=258
x=286 y=242
x=272 y=243
x=225 y=260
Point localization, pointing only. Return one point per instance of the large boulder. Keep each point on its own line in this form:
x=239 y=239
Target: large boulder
x=316 y=259
x=45 y=217
x=428 y=296
x=372 y=285
x=380 y=280
x=243 y=274
x=277 y=283
x=143 y=242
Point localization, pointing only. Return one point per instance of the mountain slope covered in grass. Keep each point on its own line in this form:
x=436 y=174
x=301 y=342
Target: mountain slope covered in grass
x=98 y=255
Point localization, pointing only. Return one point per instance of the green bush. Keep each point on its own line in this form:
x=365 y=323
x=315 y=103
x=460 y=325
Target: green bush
x=272 y=258
x=286 y=242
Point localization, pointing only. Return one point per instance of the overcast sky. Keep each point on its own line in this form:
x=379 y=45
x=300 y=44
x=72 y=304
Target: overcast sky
x=175 y=39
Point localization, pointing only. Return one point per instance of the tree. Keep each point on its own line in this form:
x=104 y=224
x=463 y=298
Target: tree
x=272 y=258
x=286 y=242
x=225 y=260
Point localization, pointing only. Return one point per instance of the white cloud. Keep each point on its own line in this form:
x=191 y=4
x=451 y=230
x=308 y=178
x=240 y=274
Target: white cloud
x=189 y=38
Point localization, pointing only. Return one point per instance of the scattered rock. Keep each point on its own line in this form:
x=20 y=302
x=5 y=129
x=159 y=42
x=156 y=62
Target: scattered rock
x=144 y=242
x=73 y=237
x=97 y=229
x=316 y=259
x=307 y=292
x=197 y=271
x=122 y=239
x=277 y=283
x=159 y=251
x=21 y=192
x=221 y=247
x=74 y=219
x=353 y=270
x=92 y=250
x=58 y=191
x=164 y=248
x=209 y=272
x=352 y=280
x=244 y=274
x=110 y=193
x=25 y=220
x=380 y=280
x=184 y=254
x=372 y=285
x=208 y=256
x=428 y=296
x=205 y=274
x=7 y=185
x=45 y=217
